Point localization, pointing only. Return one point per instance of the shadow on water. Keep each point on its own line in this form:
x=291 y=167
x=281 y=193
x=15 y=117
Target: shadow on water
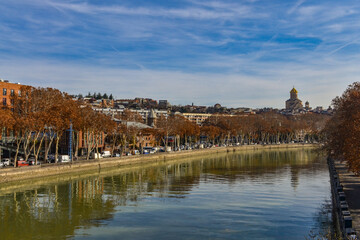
x=324 y=227
x=58 y=211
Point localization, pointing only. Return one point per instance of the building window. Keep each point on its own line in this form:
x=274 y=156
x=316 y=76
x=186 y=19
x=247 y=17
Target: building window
x=4 y=101
x=12 y=102
x=4 y=91
x=19 y=93
x=12 y=92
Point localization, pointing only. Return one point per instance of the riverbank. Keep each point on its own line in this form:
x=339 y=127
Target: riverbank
x=350 y=186
x=13 y=175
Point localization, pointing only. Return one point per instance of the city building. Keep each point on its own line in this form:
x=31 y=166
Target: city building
x=164 y=104
x=7 y=91
x=197 y=118
x=144 y=113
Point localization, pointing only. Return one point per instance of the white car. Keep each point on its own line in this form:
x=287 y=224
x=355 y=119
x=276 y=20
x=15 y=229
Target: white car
x=1 y=164
x=6 y=162
x=106 y=154
x=64 y=158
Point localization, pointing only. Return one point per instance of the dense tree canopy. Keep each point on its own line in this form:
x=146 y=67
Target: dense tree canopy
x=343 y=130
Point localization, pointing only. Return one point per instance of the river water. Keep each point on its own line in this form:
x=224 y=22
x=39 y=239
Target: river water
x=269 y=194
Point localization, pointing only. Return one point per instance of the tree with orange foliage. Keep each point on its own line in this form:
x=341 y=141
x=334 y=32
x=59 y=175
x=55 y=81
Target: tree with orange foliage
x=166 y=128
x=6 y=123
x=211 y=132
x=343 y=130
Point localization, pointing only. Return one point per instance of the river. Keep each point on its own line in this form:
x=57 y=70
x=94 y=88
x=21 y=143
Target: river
x=271 y=194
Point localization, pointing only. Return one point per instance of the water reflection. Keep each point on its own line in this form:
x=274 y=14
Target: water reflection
x=229 y=190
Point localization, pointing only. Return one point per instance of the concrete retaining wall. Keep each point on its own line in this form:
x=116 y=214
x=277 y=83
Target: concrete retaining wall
x=340 y=205
x=8 y=175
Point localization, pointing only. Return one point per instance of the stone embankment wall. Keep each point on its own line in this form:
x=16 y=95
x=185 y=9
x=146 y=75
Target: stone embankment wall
x=344 y=221
x=8 y=175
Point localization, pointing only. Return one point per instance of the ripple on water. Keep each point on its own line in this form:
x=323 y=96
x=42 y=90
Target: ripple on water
x=258 y=195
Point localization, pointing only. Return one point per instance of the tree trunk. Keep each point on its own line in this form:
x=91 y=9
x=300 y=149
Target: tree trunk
x=57 y=147
x=37 y=152
x=77 y=144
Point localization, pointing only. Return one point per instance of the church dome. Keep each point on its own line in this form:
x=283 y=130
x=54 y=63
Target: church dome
x=293 y=90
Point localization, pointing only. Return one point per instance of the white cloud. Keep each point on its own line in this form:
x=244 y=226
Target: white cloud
x=238 y=54
x=231 y=89
x=297 y=4
x=221 y=11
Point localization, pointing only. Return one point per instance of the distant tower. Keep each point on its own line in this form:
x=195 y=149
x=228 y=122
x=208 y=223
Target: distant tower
x=293 y=93
x=307 y=105
x=293 y=104
x=151 y=118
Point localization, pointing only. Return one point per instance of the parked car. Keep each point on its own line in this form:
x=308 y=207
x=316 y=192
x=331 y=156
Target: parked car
x=116 y=155
x=106 y=154
x=135 y=152
x=64 y=158
x=96 y=155
x=32 y=161
x=6 y=162
x=150 y=150
x=22 y=163
x=1 y=164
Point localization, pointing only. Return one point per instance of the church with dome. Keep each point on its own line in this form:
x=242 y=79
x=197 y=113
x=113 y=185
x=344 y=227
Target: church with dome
x=294 y=103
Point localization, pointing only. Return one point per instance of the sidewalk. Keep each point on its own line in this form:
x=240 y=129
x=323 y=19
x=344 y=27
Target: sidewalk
x=351 y=184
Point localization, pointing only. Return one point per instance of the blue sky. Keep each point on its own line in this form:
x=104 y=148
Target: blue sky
x=236 y=53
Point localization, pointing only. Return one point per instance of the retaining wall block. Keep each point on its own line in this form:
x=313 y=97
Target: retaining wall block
x=341 y=196
x=345 y=213
x=344 y=207
x=347 y=222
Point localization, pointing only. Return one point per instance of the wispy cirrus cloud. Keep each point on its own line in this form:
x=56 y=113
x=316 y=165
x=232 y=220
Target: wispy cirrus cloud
x=191 y=49
x=217 y=10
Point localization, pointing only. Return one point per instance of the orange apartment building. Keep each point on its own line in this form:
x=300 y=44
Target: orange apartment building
x=7 y=90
